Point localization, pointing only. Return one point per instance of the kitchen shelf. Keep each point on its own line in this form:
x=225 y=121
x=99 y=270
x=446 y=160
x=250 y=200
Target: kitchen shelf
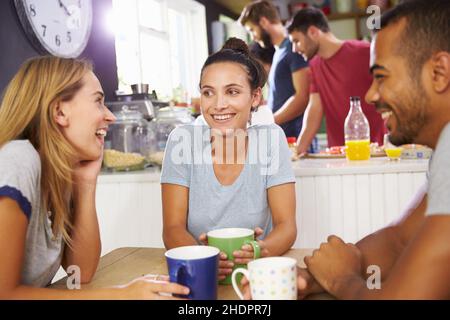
x=350 y=15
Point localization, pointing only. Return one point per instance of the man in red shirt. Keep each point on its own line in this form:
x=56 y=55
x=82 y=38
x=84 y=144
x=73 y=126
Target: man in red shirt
x=339 y=70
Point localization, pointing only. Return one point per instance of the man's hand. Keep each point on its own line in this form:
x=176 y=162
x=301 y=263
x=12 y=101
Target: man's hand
x=306 y=284
x=301 y=149
x=334 y=264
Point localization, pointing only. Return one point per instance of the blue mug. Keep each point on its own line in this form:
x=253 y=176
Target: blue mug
x=195 y=267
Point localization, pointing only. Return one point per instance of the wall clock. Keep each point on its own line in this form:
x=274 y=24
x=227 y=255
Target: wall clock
x=58 y=27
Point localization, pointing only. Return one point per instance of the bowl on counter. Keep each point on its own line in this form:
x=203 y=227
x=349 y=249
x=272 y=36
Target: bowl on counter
x=156 y=158
x=393 y=153
x=122 y=161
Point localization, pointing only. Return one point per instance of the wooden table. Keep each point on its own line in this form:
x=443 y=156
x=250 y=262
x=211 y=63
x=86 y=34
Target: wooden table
x=125 y=264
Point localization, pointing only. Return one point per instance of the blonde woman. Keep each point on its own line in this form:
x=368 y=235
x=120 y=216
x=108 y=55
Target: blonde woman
x=52 y=127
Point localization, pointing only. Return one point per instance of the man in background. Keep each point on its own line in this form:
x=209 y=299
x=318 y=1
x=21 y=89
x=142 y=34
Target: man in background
x=339 y=70
x=289 y=75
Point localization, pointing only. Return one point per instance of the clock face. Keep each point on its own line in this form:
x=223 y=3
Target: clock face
x=58 y=27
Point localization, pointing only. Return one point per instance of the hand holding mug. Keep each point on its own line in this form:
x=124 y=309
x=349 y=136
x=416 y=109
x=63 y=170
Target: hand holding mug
x=230 y=241
x=203 y=239
x=247 y=251
x=225 y=265
x=246 y=291
x=195 y=267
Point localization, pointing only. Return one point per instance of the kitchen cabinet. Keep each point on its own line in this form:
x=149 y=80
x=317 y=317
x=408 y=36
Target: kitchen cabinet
x=129 y=209
x=352 y=200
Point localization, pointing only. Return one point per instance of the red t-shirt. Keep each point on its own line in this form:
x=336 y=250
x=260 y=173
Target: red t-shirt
x=338 y=78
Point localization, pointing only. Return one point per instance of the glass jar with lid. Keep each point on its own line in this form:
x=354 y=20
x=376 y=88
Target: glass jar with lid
x=127 y=140
x=167 y=119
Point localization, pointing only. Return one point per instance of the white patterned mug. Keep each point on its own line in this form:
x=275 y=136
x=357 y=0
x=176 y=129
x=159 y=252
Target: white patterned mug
x=272 y=278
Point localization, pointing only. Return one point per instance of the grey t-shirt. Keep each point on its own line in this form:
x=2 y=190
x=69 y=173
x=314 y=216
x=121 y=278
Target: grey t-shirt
x=20 y=180
x=188 y=162
x=439 y=176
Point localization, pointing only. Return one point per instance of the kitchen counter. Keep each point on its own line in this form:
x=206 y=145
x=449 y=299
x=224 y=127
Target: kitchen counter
x=302 y=168
x=150 y=174
x=321 y=167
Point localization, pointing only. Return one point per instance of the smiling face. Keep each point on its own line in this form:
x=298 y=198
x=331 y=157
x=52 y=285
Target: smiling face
x=402 y=101
x=303 y=44
x=84 y=119
x=226 y=96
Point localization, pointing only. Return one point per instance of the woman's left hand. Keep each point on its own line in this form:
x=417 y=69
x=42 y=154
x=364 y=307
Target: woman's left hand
x=87 y=171
x=246 y=254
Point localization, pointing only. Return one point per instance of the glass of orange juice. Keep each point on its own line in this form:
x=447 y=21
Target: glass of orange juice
x=393 y=153
x=357 y=149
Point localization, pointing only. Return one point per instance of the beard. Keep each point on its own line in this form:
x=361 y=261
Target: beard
x=411 y=108
x=311 y=48
x=265 y=41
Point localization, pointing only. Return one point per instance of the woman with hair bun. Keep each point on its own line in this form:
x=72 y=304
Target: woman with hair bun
x=229 y=174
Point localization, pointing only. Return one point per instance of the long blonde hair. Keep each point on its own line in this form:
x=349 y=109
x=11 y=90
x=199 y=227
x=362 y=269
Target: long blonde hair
x=28 y=112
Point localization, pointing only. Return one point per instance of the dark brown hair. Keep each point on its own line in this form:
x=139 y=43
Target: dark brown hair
x=236 y=50
x=427 y=30
x=254 y=11
x=306 y=18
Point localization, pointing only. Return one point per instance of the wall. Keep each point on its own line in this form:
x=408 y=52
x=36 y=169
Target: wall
x=343 y=28
x=213 y=11
x=16 y=48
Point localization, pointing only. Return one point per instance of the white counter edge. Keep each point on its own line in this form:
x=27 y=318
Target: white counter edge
x=302 y=168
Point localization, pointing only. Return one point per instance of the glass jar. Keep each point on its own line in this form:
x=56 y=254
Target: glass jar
x=127 y=141
x=167 y=119
x=149 y=145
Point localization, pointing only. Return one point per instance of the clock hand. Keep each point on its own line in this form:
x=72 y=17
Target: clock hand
x=61 y=5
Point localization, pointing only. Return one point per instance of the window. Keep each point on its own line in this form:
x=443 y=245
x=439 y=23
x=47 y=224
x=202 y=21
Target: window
x=162 y=43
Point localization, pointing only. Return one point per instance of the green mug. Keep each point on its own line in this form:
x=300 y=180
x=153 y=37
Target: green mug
x=229 y=240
